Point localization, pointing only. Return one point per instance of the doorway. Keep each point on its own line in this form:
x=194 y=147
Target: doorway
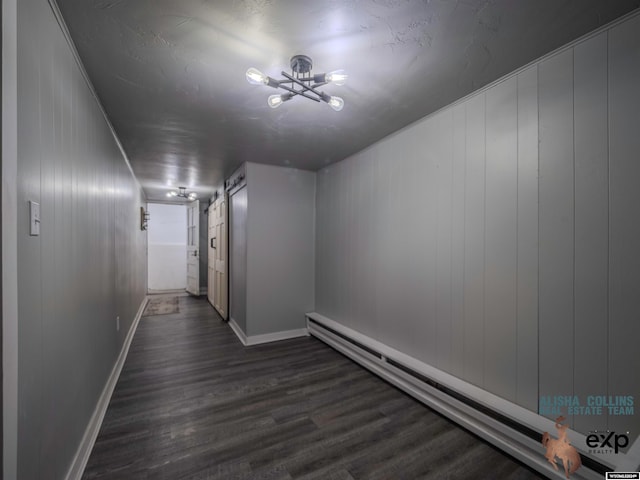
x=193 y=248
x=167 y=248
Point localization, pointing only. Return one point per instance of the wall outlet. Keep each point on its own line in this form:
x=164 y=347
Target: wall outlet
x=118 y=323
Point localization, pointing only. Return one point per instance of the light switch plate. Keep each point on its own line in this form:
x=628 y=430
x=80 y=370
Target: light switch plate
x=34 y=218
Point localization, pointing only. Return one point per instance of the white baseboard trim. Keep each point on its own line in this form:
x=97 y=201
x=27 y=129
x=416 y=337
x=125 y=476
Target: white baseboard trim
x=524 y=448
x=238 y=331
x=81 y=457
x=277 y=336
x=181 y=292
x=266 y=337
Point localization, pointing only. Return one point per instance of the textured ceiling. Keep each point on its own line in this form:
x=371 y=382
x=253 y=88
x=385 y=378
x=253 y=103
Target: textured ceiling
x=171 y=73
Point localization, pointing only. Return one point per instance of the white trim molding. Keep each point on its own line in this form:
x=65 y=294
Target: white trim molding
x=248 y=340
x=238 y=331
x=180 y=292
x=93 y=428
x=506 y=425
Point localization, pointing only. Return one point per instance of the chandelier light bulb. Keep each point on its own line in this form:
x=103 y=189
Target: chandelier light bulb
x=337 y=77
x=336 y=103
x=193 y=196
x=256 y=77
x=275 y=101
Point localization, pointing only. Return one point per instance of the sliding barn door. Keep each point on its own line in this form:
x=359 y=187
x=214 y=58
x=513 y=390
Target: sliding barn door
x=218 y=255
x=211 y=255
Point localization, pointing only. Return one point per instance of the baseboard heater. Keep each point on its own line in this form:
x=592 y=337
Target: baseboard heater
x=507 y=433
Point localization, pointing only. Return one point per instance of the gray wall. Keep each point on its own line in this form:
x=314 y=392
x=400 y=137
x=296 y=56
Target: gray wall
x=271 y=249
x=238 y=257
x=280 y=248
x=88 y=265
x=498 y=239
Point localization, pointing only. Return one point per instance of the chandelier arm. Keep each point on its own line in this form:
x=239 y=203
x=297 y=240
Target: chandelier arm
x=315 y=85
x=297 y=92
x=306 y=87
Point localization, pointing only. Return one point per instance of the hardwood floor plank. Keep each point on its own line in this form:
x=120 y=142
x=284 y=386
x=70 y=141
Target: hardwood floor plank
x=193 y=403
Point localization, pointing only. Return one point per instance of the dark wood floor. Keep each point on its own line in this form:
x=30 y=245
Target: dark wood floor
x=193 y=403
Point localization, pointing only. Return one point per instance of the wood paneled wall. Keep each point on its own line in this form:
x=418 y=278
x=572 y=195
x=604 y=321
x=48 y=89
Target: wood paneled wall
x=82 y=281
x=498 y=238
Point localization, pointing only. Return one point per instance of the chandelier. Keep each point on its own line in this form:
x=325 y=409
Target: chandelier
x=306 y=83
x=182 y=193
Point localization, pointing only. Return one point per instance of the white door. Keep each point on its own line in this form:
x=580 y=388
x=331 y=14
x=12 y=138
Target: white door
x=193 y=247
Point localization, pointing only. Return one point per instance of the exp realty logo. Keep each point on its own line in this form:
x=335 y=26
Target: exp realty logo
x=606 y=442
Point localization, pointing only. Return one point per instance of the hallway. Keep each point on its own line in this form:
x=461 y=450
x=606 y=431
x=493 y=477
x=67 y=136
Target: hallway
x=192 y=402
x=463 y=229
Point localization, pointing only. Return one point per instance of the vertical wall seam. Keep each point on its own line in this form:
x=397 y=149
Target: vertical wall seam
x=464 y=249
x=538 y=234
x=437 y=239
x=41 y=299
x=608 y=319
x=451 y=319
x=573 y=289
x=464 y=239
x=517 y=312
x=484 y=244
x=439 y=247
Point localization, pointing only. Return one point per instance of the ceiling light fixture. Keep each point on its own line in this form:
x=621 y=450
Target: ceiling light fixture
x=302 y=78
x=182 y=193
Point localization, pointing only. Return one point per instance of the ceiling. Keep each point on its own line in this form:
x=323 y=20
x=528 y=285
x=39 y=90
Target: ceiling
x=171 y=73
